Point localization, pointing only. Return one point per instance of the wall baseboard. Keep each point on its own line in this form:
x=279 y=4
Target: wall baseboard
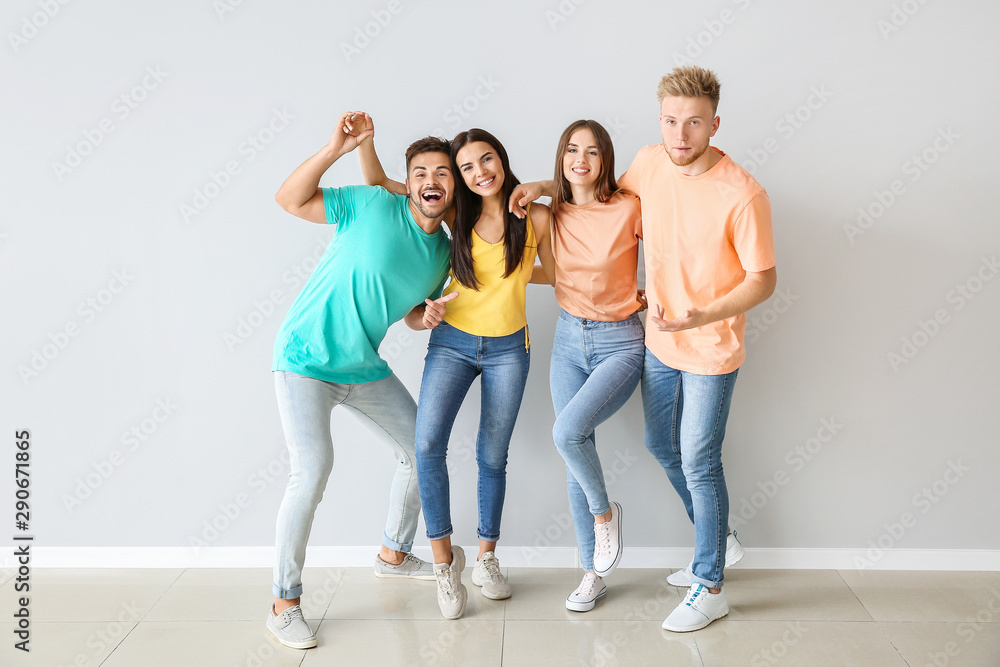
x=637 y=557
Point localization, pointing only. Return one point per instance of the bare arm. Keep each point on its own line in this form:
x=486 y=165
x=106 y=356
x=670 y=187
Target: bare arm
x=538 y=276
x=756 y=288
x=300 y=194
x=371 y=167
x=541 y=219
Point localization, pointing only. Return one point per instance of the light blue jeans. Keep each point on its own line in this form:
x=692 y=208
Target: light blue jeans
x=305 y=405
x=595 y=368
x=686 y=418
x=454 y=359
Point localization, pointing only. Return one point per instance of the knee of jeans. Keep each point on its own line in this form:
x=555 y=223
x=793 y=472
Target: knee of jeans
x=494 y=465
x=566 y=435
x=310 y=481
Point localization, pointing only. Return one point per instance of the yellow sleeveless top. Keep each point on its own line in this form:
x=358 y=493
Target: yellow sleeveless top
x=497 y=308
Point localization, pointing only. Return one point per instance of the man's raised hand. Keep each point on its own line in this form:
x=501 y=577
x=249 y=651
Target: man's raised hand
x=434 y=311
x=353 y=128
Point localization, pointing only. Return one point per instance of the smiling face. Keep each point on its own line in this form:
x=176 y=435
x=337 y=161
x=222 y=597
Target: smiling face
x=582 y=159
x=687 y=124
x=481 y=168
x=430 y=183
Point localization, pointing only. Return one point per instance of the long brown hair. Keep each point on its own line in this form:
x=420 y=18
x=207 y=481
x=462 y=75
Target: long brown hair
x=606 y=184
x=469 y=206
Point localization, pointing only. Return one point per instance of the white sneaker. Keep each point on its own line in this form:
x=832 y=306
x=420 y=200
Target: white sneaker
x=411 y=568
x=734 y=554
x=290 y=628
x=451 y=594
x=487 y=574
x=586 y=595
x=698 y=609
x=608 y=543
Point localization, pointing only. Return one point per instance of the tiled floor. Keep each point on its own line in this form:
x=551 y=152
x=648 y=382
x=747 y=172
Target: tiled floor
x=212 y=617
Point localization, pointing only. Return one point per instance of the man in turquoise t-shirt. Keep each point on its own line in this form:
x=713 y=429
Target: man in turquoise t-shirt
x=388 y=258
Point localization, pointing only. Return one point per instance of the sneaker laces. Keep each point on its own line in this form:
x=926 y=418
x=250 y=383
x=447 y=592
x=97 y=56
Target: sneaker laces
x=291 y=614
x=492 y=567
x=693 y=594
x=602 y=537
x=586 y=586
x=444 y=581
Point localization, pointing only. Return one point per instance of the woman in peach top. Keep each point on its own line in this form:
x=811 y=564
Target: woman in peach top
x=598 y=351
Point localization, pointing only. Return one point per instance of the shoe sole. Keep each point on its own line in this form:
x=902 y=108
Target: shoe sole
x=290 y=644
x=621 y=547
x=585 y=606
x=408 y=577
x=695 y=627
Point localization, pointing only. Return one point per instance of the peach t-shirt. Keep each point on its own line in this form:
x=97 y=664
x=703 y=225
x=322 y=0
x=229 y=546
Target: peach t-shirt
x=596 y=248
x=701 y=235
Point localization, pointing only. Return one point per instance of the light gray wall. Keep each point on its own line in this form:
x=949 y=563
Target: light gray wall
x=886 y=81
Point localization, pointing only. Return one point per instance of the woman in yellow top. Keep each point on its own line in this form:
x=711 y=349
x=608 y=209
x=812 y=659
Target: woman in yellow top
x=479 y=329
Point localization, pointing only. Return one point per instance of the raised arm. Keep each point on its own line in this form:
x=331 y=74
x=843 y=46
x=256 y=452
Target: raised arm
x=371 y=167
x=300 y=194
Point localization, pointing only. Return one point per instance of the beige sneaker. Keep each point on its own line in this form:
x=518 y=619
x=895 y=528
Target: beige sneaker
x=451 y=594
x=487 y=574
x=290 y=628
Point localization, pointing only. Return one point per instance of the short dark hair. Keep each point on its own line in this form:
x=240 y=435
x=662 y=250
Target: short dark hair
x=605 y=185
x=426 y=145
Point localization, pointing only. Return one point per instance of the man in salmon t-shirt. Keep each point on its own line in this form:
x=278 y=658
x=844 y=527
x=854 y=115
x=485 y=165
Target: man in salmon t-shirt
x=709 y=256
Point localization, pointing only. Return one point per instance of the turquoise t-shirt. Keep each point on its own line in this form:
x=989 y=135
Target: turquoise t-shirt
x=378 y=266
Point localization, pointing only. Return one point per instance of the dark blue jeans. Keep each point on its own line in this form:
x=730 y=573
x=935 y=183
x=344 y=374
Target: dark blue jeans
x=454 y=359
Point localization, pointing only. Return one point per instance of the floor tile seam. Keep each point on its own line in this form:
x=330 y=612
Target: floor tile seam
x=855 y=594
x=895 y=648
x=120 y=642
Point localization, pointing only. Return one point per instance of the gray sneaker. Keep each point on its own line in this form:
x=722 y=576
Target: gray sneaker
x=487 y=574
x=411 y=568
x=734 y=554
x=451 y=594
x=290 y=628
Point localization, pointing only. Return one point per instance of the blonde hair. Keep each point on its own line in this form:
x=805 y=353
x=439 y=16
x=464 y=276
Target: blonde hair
x=690 y=81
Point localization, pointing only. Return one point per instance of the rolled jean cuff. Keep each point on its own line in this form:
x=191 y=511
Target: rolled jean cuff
x=705 y=582
x=488 y=538
x=397 y=546
x=441 y=534
x=286 y=593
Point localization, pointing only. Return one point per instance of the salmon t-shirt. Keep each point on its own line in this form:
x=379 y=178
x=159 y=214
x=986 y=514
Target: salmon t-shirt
x=701 y=235
x=596 y=248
